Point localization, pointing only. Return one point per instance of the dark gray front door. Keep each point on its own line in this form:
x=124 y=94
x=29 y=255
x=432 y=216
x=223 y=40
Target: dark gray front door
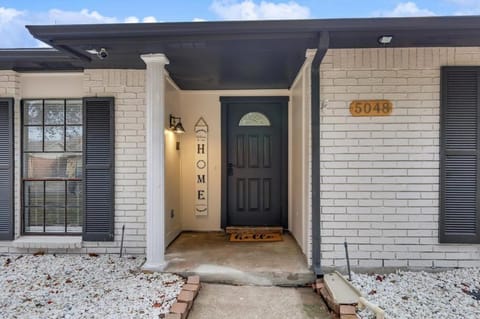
x=256 y=165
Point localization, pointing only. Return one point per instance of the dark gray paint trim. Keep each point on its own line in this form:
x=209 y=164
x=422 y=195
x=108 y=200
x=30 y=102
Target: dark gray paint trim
x=92 y=236
x=26 y=60
x=11 y=179
x=29 y=54
x=238 y=27
x=442 y=237
x=323 y=45
x=225 y=101
x=224 y=177
x=285 y=150
x=442 y=173
x=344 y=33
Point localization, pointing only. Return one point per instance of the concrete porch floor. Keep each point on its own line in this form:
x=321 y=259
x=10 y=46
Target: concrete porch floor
x=217 y=260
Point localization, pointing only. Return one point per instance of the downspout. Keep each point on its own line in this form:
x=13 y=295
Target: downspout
x=323 y=44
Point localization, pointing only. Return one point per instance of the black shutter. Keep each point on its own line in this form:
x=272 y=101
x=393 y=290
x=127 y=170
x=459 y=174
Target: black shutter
x=98 y=163
x=460 y=156
x=6 y=169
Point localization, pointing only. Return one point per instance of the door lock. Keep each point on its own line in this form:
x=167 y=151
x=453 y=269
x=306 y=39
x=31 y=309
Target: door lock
x=230 y=167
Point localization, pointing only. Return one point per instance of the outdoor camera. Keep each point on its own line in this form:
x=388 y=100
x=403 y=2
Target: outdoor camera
x=103 y=53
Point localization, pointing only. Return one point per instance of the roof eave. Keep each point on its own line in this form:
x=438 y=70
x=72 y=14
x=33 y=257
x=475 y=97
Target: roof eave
x=264 y=26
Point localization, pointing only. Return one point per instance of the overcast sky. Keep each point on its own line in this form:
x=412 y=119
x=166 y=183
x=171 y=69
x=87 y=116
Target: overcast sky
x=14 y=15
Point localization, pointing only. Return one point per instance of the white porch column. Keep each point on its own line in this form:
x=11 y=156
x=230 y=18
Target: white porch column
x=155 y=126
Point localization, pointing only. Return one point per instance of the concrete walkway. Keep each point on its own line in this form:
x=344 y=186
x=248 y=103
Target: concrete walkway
x=240 y=302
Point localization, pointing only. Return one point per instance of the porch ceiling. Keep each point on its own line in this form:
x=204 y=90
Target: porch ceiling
x=230 y=55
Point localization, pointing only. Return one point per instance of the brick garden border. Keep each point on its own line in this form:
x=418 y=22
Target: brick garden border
x=185 y=299
x=337 y=311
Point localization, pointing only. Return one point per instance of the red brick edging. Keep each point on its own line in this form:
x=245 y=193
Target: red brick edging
x=337 y=311
x=185 y=299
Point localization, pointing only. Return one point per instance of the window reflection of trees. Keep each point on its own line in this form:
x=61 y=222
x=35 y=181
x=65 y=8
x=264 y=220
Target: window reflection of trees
x=52 y=165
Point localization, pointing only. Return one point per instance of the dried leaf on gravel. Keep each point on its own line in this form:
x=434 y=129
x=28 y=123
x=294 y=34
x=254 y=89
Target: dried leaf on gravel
x=39 y=253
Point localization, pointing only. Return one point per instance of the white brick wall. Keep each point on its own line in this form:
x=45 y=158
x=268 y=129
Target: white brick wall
x=128 y=88
x=379 y=188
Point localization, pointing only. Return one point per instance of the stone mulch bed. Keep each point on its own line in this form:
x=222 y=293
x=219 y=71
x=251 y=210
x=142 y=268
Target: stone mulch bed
x=83 y=286
x=453 y=294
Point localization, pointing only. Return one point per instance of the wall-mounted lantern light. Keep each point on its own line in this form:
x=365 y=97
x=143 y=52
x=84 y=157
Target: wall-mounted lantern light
x=176 y=125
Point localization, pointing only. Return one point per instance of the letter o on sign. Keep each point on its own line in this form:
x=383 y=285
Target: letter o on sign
x=201 y=164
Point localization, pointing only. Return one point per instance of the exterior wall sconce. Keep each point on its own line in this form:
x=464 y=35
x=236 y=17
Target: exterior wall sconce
x=176 y=125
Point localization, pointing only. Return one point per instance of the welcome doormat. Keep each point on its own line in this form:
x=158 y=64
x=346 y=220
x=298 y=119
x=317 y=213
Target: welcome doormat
x=254 y=234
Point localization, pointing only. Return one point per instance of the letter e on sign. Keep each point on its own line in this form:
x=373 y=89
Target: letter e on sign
x=371 y=108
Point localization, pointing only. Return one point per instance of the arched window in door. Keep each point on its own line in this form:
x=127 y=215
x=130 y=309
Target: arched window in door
x=254 y=119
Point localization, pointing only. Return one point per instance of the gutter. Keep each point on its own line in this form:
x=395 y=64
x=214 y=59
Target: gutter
x=323 y=45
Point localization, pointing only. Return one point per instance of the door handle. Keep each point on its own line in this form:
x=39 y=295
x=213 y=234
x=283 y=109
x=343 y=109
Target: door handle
x=230 y=167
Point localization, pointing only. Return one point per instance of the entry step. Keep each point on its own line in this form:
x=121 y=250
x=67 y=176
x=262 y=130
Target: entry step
x=254 y=234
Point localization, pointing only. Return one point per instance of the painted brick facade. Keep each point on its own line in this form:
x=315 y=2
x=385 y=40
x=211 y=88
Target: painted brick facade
x=128 y=88
x=380 y=175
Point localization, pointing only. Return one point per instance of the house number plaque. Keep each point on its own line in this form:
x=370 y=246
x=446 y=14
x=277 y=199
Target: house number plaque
x=371 y=108
x=201 y=167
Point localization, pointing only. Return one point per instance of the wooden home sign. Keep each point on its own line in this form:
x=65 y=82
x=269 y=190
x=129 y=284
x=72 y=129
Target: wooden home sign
x=201 y=167
x=371 y=108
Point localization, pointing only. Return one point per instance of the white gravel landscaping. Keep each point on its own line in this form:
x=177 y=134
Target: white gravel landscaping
x=84 y=286
x=451 y=294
